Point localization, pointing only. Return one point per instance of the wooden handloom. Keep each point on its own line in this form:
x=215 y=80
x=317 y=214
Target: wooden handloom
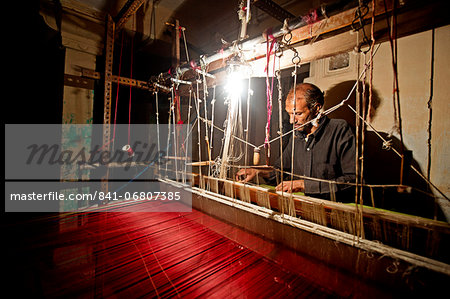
x=397 y=250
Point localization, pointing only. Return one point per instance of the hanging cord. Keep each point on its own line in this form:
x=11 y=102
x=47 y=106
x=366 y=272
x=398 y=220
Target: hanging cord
x=362 y=147
x=197 y=108
x=270 y=43
x=117 y=91
x=372 y=46
x=169 y=127
x=175 y=139
x=157 y=131
x=235 y=137
x=296 y=59
x=247 y=125
x=358 y=181
x=213 y=101
x=131 y=88
x=187 y=132
x=366 y=114
x=386 y=142
x=358 y=22
x=395 y=90
x=205 y=102
x=280 y=122
x=294 y=109
x=182 y=29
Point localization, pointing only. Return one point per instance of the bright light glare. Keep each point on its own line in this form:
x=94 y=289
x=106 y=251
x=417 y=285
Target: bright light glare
x=234 y=85
x=236 y=76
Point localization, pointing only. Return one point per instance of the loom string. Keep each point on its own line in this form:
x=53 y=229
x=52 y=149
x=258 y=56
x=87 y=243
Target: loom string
x=169 y=127
x=174 y=119
x=327 y=112
x=294 y=109
x=205 y=101
x=161 y=267
x=131 y=88
x=118 y=84
x=247 y=123
x=213 y=101
x=197 y=109
x=357 y=133
x=280 y=122
x=157 y=130
x=143 y=262
x=269 y=87
x=140 y=173
x=392 y=29
x=398 y=154
x=187 y=133
x=117 y=99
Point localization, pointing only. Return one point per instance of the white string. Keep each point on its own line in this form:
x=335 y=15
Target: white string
x=157 y=132
x=168 y=133
x=187 y=134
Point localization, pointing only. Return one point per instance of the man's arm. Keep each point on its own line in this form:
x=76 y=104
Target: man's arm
x=247 y=174
x=291 y=186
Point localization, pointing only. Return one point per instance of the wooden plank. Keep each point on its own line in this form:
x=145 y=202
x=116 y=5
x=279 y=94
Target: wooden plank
x=79 y=82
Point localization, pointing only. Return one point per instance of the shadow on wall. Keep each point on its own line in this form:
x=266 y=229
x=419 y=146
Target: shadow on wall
x=382 y=165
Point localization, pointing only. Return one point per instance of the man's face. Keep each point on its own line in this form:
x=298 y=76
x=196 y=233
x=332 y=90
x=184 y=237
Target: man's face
x=302 y=113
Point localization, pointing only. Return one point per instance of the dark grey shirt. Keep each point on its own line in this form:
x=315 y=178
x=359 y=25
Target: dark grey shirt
x=328 y=153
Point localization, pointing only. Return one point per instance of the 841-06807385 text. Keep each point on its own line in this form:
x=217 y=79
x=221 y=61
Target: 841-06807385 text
x=51 y=196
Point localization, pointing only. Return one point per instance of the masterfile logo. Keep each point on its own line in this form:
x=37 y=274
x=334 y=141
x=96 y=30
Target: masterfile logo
x=55 y=168
x=67 y=152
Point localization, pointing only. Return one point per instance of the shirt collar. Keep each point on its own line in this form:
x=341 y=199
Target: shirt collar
x=317 y=133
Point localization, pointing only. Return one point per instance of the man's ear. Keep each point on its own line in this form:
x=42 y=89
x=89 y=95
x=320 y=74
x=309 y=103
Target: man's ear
x=317 y=108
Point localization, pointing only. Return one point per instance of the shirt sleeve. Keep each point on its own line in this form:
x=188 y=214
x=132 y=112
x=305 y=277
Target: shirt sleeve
x=272 y=177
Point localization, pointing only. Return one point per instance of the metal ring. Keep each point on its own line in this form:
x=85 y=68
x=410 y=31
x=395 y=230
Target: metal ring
x=287 y=40
x=296 y=59
x=393 y=268
x=279 y=51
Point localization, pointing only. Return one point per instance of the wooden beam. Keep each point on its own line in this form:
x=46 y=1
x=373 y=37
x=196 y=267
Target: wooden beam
x=334 y=35
x=118 y=79
x=127 y=11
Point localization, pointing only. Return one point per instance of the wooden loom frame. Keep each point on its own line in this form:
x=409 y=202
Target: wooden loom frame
x=321 y=220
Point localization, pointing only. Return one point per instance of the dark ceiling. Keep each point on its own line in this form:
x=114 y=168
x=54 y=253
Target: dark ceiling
x=208 y=23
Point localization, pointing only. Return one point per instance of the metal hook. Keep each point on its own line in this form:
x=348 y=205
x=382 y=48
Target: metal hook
x=296 y=59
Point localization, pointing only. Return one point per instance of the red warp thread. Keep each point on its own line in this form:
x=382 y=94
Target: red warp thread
x=117 y=92
x=311 y=17
x=269 y=91
x=194 y=65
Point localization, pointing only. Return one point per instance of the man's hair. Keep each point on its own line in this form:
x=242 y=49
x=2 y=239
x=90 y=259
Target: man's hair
x=313 y=95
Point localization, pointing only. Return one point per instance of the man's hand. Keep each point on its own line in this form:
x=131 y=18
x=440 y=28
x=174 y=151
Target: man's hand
x=291 y=186
x=246 y=174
